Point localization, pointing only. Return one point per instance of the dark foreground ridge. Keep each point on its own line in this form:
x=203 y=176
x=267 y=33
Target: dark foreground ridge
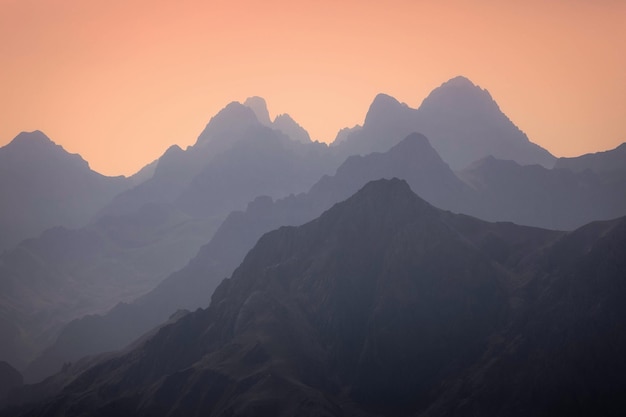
x=384 y=305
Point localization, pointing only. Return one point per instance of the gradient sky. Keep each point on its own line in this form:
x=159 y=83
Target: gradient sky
x=119 y=81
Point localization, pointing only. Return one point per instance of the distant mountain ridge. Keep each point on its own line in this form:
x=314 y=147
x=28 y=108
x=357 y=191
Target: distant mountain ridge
x=533 y=195
x=43 y=186
x=283 y=122
x=461 y=120
x=384 y=305
x=611 y=162
x=413 y=159
x=150 y=230
x=493 y=189
x=154 y=228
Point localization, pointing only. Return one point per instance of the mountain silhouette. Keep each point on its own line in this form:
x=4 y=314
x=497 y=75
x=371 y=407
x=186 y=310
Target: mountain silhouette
x=148 y=231
x=498 y=190
x=65 y=273
x=234 y=147
x=610 y=164
x=259 y=107
x=384 y=305
x=533 y=195
x=413 y=159
x=283 y=122
x=291 y=128
x=44 y=186
x=461 y=120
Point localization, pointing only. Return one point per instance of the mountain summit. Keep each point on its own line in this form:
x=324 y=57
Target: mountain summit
x=461 y=120
x=44 y=186
x=465 y=123
x=283 y=122
x=259 y=107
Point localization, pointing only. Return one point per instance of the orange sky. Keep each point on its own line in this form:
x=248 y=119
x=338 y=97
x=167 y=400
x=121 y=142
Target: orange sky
x=118 y=81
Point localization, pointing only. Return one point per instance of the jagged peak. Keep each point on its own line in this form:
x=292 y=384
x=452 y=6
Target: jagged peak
x=383 y=100
x=459 y=81
x=174 y=149
x=284 y=116
x=287 y=125
x=36 y=145
x=458 y=91
x=34 y=136
x=344 y=133
x=259 y=107
x=390 y=193
x=413 y=141
x=235 y=116
x=382 y=108
x=172 y=157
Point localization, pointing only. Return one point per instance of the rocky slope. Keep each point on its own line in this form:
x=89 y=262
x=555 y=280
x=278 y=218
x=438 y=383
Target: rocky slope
x=385 y=305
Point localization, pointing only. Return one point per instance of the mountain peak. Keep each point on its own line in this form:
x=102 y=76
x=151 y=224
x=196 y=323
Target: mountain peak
x=291 y=128
x=37 y=148
x=32 y=141
x=465 y=124
x=459 y=82
x=459 y=92
x=413 y=141
x=384 y=101
x=259 y=107
x=34 y=136
x=385 y=196
x=383 y=109
x=234 y=117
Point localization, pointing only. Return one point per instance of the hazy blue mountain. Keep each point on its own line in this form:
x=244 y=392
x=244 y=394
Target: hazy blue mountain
x=177 y=167
x=291 y=128
x=461 y=120
x=283 y=122
x=43 y=186
x=67 y=273
x=263 y=162
x=550 y=198
x=144 y=173
x=233 y=154
x=344 y=133
x=148 y=231
x=259 y=107
x=384 y=305
x=495 y=190
x=412 y=159
x=609 y=164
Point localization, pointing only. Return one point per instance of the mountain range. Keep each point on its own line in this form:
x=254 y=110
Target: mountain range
x=384 y=305
x=146 y=231
x=45 y=186
x=118 y=270
x=542 y=193
x=461 y=120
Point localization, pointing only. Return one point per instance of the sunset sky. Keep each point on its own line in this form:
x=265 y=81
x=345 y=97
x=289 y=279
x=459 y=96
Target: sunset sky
x=119 y=81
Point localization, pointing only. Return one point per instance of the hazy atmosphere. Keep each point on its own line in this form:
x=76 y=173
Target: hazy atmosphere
x=242 y=209
x=120 y=81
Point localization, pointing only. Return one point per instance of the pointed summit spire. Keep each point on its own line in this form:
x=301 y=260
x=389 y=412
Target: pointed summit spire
x=259 y=107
